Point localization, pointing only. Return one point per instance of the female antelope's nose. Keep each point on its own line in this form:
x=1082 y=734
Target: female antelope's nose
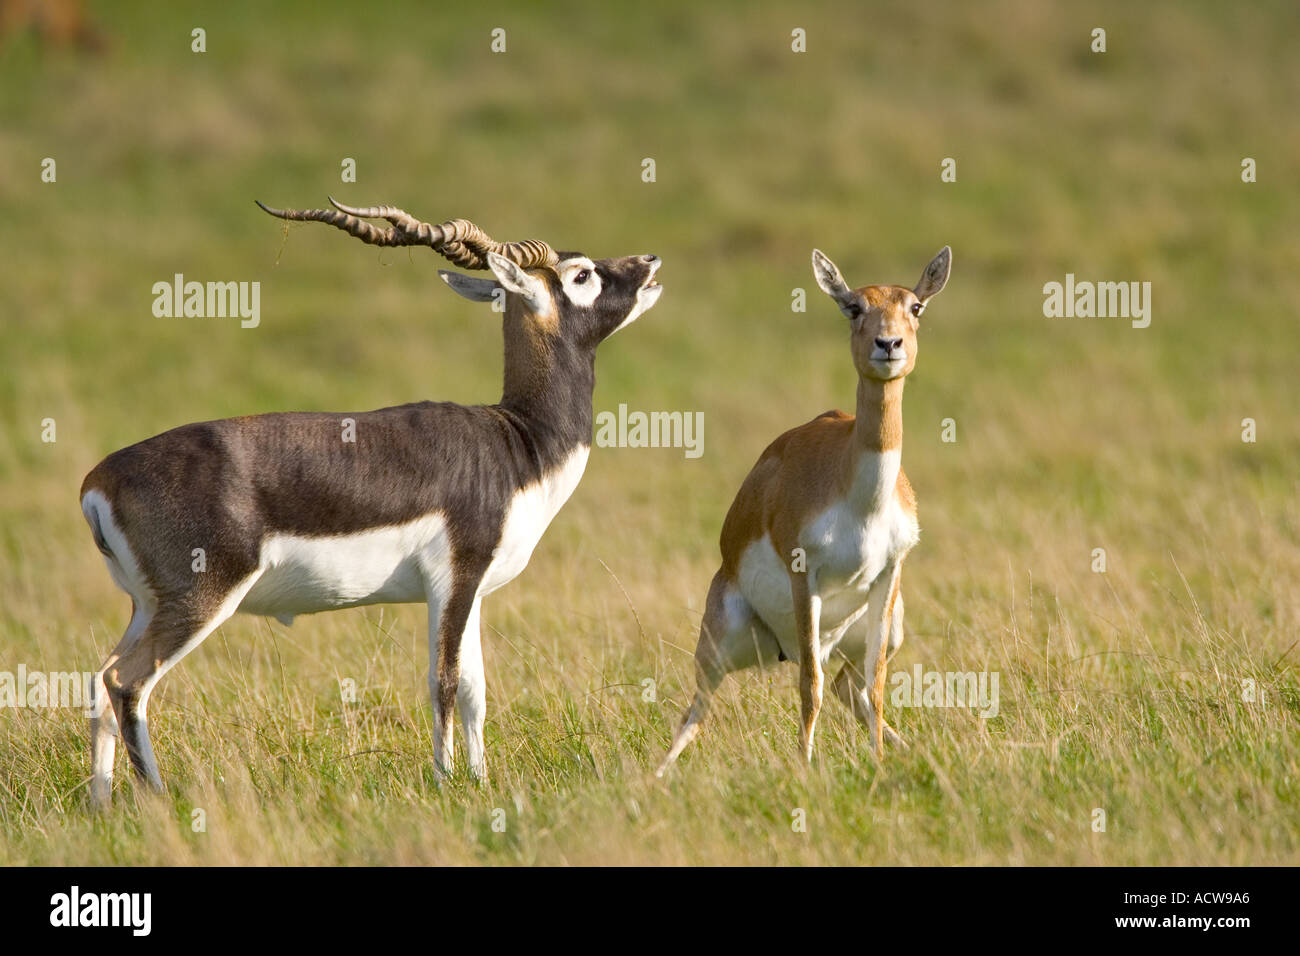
x=649 y=259
x=888 y=345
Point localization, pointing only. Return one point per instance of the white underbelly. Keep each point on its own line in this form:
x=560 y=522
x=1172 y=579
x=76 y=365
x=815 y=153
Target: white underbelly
x=764 y=581
x=843 y=574
x=390 y=565
x=399 y=564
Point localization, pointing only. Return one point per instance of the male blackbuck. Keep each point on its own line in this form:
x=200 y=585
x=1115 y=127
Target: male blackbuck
x=293 y=513
x=813 y=544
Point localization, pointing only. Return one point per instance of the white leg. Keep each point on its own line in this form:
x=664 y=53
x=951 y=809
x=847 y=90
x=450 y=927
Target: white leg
x=471 y=692
x=881 y=599
x=104 y=730
x=807 y=614
x=896 y=625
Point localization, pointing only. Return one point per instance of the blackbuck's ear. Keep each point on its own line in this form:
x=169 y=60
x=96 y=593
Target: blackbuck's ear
x=471 y=287
x=530 y=288
x=832 y=283
x=935 y=276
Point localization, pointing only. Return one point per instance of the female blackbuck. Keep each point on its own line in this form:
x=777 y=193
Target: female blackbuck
x=814 y=542
x=293 y=513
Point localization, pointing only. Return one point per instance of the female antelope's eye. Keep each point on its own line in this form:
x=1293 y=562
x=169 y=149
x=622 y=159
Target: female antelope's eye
x=917 y=308
x=581 y=277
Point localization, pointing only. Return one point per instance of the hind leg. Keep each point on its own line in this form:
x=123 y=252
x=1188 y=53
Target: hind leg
x=173 y=631
x=104 y=729
x=732 y=638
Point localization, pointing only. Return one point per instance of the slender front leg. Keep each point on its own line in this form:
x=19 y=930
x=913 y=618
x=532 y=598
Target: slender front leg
x=451 y=589
x=851 y=687
x=442 y=745
x=471 y=692
x=880 y=600
x=808 y=613
x=444 y=669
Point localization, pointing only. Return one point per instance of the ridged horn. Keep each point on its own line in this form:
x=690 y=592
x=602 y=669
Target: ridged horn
x=462 y=242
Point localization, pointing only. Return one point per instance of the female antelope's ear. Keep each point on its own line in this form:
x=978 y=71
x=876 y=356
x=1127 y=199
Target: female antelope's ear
x=832 y=283
x=935 y=276
x=530 y=288
x=471 y=287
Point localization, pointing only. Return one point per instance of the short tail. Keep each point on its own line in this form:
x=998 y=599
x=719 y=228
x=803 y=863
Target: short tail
x=96 y=527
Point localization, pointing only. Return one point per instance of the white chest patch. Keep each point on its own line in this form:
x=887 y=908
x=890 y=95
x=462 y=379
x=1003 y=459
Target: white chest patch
x=390 y=565
x=528 y=517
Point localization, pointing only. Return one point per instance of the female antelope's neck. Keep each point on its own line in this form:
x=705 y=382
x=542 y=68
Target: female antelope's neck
x=879 y=425
x=874 y=456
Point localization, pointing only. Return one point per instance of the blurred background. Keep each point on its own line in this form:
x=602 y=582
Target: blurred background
x=1072 y=434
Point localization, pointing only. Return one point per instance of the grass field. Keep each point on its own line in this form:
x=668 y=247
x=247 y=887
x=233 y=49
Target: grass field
x=1121 y=691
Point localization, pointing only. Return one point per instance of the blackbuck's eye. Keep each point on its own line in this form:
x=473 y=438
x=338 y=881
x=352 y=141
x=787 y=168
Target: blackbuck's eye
x=917 y=308
x=581 y=277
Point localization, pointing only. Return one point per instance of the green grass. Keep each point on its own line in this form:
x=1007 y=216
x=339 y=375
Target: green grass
x=1120 y=691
